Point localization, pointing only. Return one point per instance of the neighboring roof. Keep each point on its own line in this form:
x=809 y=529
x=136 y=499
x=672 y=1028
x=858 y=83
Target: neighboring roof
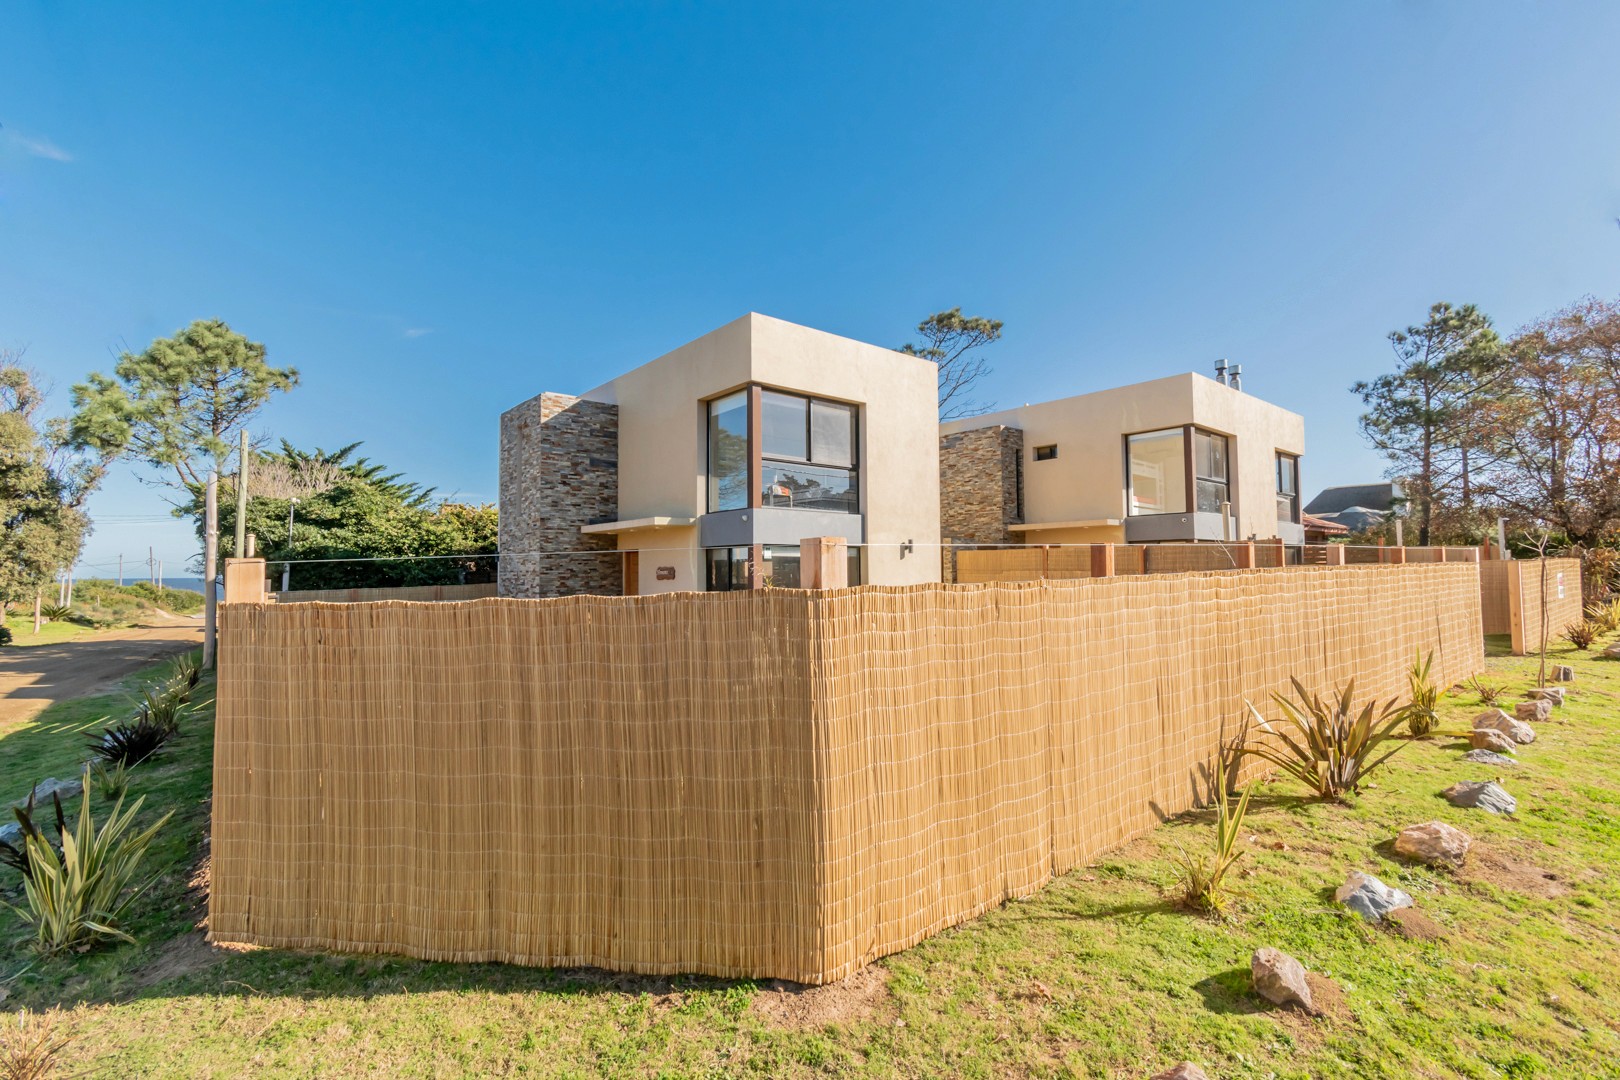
x=1356 y=518
x=1377 y=497
x=1312 y=523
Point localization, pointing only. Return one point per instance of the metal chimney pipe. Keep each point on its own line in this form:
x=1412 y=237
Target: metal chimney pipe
x=1234 y=378
x=1220 y=371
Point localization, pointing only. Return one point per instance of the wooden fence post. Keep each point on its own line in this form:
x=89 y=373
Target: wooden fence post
x=823 y=562
x=1243 y=555
x=1102 y=560
x=1335 y=555
x=244 y=581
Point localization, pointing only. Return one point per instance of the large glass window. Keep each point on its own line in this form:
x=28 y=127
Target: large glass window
x=1210 y=469
x=1158 y=472
x=1288 y=488
x=728 y=567
x=728 y=452
x=786 y=419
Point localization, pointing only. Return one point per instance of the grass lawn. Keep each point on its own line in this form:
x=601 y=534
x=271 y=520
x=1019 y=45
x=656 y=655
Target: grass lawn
x=51 y=633
x=1513 y=975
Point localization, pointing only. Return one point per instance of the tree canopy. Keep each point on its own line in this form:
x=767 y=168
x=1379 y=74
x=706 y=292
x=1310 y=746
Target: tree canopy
x=43 y=486
x=951 y=340
x=175 y=405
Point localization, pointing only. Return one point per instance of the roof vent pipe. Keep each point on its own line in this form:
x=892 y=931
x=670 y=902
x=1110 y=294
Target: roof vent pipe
x=1220 y=371
x=1234 y=378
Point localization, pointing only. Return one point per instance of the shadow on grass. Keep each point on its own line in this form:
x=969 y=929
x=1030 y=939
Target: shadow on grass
x=1229 y=993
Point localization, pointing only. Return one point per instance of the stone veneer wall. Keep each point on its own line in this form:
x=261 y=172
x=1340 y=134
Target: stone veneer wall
x=559 y=470
x=980 y=474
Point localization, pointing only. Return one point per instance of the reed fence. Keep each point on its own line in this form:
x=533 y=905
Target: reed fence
x=417 y=593
x=780 y=783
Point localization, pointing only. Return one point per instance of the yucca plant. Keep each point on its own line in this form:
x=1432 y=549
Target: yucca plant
x=1200 y=878
x=1489 y=693
x=184 y=673
x=82 y=895
x=1581 y=633
x=55 y=612
x=17 y=857
x=1420 y=712
x=112 y=779
x=162 y=706
x=130 y=742
x=1331 y=746
x=29 y=1047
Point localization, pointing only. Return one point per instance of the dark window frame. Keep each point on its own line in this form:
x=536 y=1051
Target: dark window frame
x=1046 y=453
x=1291 y=496
x=757 y=457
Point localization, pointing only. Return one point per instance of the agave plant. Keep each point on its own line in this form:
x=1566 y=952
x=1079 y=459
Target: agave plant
x=17 y=857
x=1420 y=712
x=55 y=612
x=1326 y=745
x=131 y=742
x=80 y=896
x=1200 y=878
x=1489 y=693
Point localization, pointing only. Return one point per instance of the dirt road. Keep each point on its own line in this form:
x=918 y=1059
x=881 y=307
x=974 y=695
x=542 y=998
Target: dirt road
x=33 y=677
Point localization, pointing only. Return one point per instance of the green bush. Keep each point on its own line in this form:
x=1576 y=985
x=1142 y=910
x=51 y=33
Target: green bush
x=1331 y=746
x=5 y=634
x=1421 y=712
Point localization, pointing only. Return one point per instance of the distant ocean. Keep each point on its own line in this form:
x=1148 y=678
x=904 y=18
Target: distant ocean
x=191 y=584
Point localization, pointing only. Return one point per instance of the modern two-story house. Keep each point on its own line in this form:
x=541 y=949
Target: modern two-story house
x=705 y=468
x=1184 y=459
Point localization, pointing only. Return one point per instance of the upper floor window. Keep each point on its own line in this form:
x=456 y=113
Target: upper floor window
x=1157 y=472
x=1045 y=453
x=1210 y=466
x=1287 y=488
x=808 y=451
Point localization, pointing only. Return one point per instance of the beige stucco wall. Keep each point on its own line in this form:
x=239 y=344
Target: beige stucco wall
x=662 y=439
x=1086 y=481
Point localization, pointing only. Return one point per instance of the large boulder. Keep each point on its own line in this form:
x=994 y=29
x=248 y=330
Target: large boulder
x=1533 y=710
x=1491 y=739
x=1488 y=757
x=1481 y=795
x=1280 y=979
x=1497 y=720
x=62 y=789
x=1434 y=843
x=1370 y=898
x=1563 y=673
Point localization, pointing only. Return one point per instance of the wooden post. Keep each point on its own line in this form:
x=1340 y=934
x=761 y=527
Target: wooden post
x=1397 y=554
x=1334 y=555
x=1102 y=560
x=1442 y=554
x=1282 y=551
x=1515 y=587
x=824 y=562
x=38 y=620
x=244 y=581
x=1243 y=555
x=1046 y=555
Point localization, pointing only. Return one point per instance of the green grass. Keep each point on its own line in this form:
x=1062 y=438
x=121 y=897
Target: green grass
x=51 y=633
x=1096 y=975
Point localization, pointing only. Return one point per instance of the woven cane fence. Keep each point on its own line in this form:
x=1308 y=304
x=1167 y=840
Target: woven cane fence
x=777 y=784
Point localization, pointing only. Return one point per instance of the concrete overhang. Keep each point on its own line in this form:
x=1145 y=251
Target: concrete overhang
x=634 y=524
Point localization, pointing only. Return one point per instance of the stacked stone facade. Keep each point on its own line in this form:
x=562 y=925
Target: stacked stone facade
x=559 y=471
x=981 y=474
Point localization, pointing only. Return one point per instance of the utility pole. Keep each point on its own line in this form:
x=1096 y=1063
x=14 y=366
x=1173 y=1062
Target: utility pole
x=210 y=554
x=286 y=567
x=151 y=569
x=241 y=498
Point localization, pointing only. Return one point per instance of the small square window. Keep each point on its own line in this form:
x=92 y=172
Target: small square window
x=1045 y=453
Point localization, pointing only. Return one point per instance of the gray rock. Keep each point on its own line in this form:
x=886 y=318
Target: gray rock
x=1434 y=843
x=1184 y=1071
x=1491 y=739
x=11 y=834
x=1613 y=651
x=1370 y=898
x=63 y=789
x=1533 y=710
x=1280 y=979
x=1497 y=720
x=1554 y=694
x=1481 y=795
x=1563 y=673
x=1488 y=757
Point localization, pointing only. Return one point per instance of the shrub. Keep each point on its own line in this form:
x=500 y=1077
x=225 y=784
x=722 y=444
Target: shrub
x=112 y=779
x=1606 y=616
x=1331 y=750
x=5 y=634
x=28 y=1048
x=55 y=612
x=186 y=670
x=81 y=896
x=17 y=857
x=162 y=705
x=1420 y=713
x=1489 y=693
x=1581 y=634
x=1200 y=878
x=131 y=742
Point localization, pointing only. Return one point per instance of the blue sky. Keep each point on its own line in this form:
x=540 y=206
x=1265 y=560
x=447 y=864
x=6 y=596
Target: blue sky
x=435 y=213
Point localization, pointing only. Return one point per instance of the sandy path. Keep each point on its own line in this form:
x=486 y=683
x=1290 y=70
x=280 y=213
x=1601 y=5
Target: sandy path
x=36 y=676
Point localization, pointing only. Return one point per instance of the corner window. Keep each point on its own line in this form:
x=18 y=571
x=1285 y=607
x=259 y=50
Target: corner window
x=1045 y=453
x=1157 y=472
x=779 y=566
x=1287 y=488
x=728 y=452
x=1210 y=468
